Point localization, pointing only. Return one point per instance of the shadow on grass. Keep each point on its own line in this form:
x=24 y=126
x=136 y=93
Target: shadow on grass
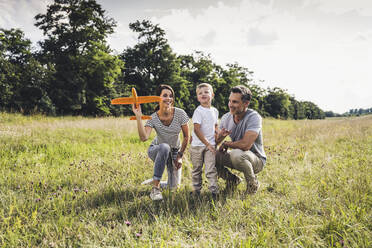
x=134 y=202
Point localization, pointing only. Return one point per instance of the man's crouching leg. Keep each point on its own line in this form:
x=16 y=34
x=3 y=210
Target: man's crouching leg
x=223 y=160
x=248 y=163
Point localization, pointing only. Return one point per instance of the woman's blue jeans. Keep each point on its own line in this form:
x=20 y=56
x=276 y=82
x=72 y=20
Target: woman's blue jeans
x=163 y=155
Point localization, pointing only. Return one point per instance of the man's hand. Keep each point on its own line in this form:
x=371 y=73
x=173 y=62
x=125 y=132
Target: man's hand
x=223 y=147
x=223 y=132
x=221 y=135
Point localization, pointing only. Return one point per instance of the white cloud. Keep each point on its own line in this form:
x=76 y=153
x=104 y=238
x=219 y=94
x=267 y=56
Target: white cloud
x=20 y=14
x=312 y=53
x=256 y=37
x=208 y=39
x=363 y=7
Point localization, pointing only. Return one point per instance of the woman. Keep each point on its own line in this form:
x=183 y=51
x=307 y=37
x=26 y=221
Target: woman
x=166 y=148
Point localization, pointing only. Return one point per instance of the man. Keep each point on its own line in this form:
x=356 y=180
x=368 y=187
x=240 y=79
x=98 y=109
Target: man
x=244 y=126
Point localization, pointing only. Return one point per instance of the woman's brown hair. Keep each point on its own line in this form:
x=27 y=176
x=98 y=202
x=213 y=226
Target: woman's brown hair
x=160 y=88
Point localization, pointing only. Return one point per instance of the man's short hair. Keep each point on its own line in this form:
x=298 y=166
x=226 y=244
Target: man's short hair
x=202 y=85
x=246 y=93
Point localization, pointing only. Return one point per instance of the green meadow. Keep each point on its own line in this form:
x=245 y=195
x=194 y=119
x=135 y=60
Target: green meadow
x=75 y=182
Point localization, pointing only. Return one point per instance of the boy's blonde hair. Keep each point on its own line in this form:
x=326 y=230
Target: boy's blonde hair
x=202 y=85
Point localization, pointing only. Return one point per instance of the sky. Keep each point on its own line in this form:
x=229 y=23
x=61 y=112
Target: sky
x=318 y=50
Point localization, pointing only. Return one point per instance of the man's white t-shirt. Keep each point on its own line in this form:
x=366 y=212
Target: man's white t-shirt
x=207 y=118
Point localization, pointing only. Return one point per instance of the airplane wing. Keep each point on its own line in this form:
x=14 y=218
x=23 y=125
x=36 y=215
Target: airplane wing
x=144 y=117
x=123 y=100
x=132 y=100
x=147 y=99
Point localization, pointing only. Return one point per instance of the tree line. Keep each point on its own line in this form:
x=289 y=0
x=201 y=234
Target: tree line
x=75 y=72
x=351 y=112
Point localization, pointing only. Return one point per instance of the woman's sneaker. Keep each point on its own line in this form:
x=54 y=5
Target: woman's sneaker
x=163 y=184
x=147 y=181
x=155 y=194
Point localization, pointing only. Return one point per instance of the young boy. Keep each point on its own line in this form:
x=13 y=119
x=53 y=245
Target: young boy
x=203 y=143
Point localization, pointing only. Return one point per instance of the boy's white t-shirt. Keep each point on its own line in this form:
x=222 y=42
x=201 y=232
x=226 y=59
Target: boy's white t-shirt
x=207 y=118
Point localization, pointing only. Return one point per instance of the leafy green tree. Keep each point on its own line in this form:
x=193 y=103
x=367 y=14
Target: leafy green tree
x=296 y=109
x=151 y=62
x=277 y=103
x=14 y=53
x=330 y=114
x=85 y=71
x=312 y=111
x=358 y=112
x=232 y=75
x=222 y=92
x=199 y=68
x=258 y=99
x=22 y=77
x=101 y=72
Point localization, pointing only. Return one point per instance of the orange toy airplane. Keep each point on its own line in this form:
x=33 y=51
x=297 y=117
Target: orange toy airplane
x=136 y=100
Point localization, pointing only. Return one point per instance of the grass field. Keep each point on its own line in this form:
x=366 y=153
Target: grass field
x=75 y=182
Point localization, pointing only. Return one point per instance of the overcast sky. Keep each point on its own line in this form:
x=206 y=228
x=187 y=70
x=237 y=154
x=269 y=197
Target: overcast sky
x=319 y=50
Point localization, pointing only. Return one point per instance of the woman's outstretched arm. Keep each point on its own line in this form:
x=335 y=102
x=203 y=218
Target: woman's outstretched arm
x=143 y=132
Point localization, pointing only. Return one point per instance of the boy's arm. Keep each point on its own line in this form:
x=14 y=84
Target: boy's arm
x=202 y=138
x=216 y=131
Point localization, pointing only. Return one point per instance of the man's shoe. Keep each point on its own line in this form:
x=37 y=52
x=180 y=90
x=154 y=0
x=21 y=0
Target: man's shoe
x=214 y=196
x=155 y=194
x=232 y=184
x=195 y=193
x=252 y=187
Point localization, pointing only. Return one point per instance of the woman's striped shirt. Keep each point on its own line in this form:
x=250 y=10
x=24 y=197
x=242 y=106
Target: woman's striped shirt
x=168 y=134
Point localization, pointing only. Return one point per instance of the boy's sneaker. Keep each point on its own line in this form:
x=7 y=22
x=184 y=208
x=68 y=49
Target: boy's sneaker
x=155 y=194
x=252 y=187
